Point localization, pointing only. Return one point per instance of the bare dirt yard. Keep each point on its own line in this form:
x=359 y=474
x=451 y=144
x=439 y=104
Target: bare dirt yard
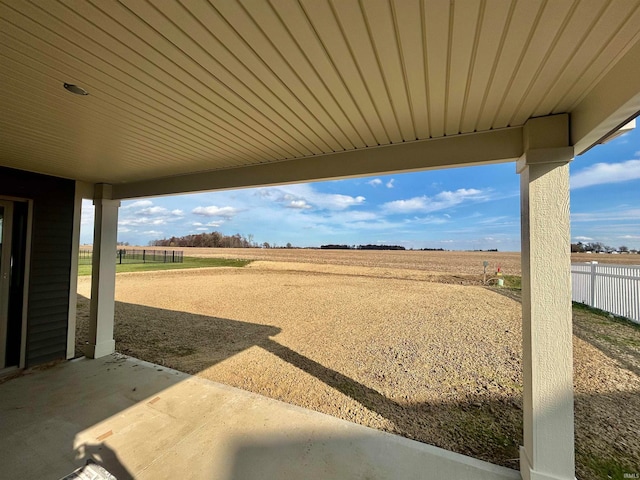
x=406 y=342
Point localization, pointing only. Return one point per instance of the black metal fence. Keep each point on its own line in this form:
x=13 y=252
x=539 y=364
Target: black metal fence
x=128 y=255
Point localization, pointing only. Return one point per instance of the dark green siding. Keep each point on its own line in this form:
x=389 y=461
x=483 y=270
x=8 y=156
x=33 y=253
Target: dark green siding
x=49 y=277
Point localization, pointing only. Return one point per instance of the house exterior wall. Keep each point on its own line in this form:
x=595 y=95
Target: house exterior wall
x=50 y=261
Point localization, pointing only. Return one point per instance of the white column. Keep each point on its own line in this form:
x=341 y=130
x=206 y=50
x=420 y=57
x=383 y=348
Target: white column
x=83 y=190
x=103 y=274
x=548 y=451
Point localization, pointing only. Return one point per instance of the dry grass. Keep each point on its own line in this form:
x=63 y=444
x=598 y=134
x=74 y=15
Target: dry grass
x=385 y=339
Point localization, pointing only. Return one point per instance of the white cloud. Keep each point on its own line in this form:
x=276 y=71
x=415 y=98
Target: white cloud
x=143 y=213
x=299 y=204
x=138 y=204
x=406 y=206
x=136 y=222
x=214 y=211
x=602 y=173
x=375 y=182
x=583 y=239
x=288 y=194
x=389 y=184
x=630 y=237
x=152 y=211
x=357 y=216
x=429 y=220
x=339 y=202
x=210 y=224
x=152 y=233
x=441 y=201
x=88 y=213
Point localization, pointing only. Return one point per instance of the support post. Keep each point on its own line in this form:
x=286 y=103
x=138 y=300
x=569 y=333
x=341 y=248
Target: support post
x=83 y=190
x=548 y=450
x=103 y=274
x=592 y=300
x=73 y=278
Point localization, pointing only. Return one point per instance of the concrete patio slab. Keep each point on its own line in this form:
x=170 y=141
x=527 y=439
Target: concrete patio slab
x=145 y=421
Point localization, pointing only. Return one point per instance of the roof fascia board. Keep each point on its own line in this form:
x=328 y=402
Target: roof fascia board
x=611 y=104
x=495 y=146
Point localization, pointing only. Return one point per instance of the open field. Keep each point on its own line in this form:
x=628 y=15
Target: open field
x=377 y=339
x=627 y=259
x=467 y=263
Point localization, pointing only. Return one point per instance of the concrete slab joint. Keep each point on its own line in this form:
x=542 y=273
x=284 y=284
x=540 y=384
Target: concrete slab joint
x=548 y=450
x=103 y=275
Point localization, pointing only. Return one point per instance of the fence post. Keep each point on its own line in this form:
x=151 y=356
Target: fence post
x=592 y=301
x=144 y=256
x=120 y=256
x=173 y=256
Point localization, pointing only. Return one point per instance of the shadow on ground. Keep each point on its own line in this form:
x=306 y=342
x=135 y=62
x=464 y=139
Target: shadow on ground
x=483 y=426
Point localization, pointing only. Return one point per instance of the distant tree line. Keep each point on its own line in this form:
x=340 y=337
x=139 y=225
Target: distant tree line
x=204 y=240
x=598 y=247
x=380 y=247
x=362 y=247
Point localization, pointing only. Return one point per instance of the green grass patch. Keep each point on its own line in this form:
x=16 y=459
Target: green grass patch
x=513 y=281
x=581 y=307
x=606 y=468
x=188 y=262
x=483 y=429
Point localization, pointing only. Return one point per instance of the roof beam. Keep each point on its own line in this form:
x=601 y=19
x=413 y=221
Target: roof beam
x=612 y=103
x=494 y=146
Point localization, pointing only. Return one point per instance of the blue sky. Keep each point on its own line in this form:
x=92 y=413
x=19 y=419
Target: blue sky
x=456 y=209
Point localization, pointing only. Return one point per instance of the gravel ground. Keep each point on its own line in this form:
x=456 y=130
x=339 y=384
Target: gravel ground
x=405 y=350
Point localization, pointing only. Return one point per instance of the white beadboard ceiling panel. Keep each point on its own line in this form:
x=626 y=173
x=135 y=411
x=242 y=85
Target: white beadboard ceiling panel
x=178 y=87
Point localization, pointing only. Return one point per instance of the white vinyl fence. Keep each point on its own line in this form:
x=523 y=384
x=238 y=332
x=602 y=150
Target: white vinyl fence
x=612 y=288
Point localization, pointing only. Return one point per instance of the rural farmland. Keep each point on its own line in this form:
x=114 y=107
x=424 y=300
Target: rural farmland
x=407 y=342
x=468 y=263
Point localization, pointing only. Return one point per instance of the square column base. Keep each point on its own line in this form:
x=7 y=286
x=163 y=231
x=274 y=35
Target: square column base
x=100 y=350
x=529 y=473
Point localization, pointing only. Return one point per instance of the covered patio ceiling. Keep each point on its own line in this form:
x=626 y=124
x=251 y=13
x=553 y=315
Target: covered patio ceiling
x=197 y=95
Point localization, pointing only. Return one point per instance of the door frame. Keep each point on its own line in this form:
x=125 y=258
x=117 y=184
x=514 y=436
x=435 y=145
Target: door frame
x=5 y=276
x=25 y=291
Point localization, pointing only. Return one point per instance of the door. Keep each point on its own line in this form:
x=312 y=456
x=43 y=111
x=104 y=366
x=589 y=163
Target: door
x=14 y=217
x=6 y=222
